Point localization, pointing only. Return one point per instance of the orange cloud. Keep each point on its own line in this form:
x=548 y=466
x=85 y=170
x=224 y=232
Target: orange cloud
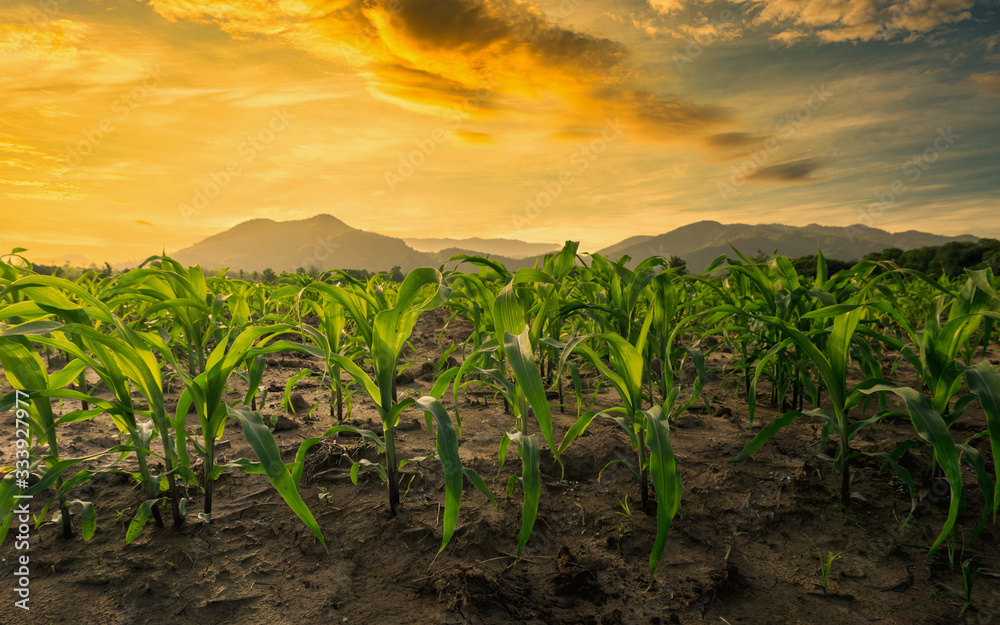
x=471 y=58
x=473 y=138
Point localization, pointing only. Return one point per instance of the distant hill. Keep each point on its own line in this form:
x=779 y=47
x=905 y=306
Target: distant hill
x=700 y=243
x=326 y=242
x=322 y=241
x=510 y=248
x=512 y=264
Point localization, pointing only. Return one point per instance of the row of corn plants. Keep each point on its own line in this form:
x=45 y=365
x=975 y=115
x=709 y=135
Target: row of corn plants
x=820 y=347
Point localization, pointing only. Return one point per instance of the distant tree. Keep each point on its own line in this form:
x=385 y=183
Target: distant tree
x=760 y=257
x=951 y=259
x=991 y=259
x=807 y=265
x=678 y=263
x=268 y=277
x=396 y=274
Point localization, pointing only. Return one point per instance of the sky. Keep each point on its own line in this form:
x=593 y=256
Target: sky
x=128 y=127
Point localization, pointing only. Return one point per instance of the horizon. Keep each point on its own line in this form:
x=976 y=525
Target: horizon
x=84 y=262
x=132 y=127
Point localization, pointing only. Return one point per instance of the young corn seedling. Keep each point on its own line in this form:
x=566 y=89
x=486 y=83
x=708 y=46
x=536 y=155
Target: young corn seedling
x=119 y=359
x=192 y=313
x=832 y=365
x=206 y=390
x=970 y=574
x=525 y=395
x=328 y=337
x=385 y=334
x=648 y=430
x=825 y=565
x=27 y=373
x=932 y=426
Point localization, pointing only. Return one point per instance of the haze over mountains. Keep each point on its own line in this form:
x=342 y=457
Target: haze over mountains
x=326 y=242
x=510 y=248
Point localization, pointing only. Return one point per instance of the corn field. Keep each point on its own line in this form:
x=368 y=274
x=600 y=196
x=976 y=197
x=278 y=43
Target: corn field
x=170 y=365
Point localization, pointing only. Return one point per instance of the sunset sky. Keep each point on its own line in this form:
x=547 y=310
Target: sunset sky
x=131 y=126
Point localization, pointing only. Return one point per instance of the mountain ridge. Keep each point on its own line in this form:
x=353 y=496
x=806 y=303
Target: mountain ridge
x=326 y=242
x=701 y=242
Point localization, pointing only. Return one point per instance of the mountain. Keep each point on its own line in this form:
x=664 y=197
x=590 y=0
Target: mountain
x=326 y=242
x=322 y=241
x=700 y=243
x=510 y=248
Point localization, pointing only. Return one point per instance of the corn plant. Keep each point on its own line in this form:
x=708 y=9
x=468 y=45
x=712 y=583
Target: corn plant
x=119 y=360
x=513 y=343
x=193 y=313
x=385 y=334
x=329 y=336
x=832 y=365
x=647 y=430
x=205 y=392
x=26 y=372
x=825 y=565
x=951 y=322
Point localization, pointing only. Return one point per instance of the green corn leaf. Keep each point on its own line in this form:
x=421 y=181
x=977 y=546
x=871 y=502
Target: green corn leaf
x=476 y=481
x=89 y=518
x=766 y=434
x=140 y=520
x=266 y=449
x=984 y=383
x=986 y=484
x=441 y=384
x=511 y=485
x=508 y=316
x=67 y=375
x=39 y=326
x=446 y=443
x=577 y=429
x=931 y=427
x=666 y=480
x=356 y=470
x=531 y=482
x=529 y=381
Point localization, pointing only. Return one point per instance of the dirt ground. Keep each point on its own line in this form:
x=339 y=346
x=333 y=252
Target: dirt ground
x=743 y=549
